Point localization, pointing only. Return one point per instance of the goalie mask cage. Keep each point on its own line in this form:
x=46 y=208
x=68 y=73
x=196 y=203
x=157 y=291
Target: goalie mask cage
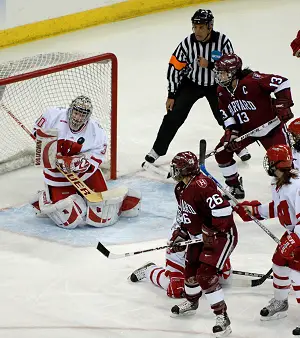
x=31 y=85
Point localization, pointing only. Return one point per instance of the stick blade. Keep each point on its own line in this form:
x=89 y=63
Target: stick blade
x=103 y=249
x=261 y=280
x=202 y=151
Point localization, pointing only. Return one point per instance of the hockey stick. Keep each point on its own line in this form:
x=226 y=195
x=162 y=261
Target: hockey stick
x=112 y=255
x=251 y=282
x=243 y=137
x=235 y=282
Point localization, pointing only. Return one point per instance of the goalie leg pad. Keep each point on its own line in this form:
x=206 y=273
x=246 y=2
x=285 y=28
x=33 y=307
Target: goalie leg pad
x=67 y=213
x=105 y=213
x=131 y=205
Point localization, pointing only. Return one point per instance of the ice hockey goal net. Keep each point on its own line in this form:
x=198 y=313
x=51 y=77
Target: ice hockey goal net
x=31 y=85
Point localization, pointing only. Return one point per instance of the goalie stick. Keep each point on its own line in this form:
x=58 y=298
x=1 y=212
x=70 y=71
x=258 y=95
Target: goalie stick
x=202 y=157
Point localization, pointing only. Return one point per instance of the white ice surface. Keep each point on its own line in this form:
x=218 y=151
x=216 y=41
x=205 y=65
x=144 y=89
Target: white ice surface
x=49 y=289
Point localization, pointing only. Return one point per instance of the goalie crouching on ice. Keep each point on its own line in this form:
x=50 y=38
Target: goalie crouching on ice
x=69 y=141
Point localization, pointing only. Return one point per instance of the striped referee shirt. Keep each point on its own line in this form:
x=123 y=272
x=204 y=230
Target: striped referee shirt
x=184 y=60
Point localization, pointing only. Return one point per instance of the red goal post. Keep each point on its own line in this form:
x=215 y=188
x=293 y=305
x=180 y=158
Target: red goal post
x=31 y=85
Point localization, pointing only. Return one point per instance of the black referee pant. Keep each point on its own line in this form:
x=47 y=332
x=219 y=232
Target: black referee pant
x=187 y=95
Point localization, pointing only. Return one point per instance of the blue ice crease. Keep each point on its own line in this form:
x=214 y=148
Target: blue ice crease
x=154 y=221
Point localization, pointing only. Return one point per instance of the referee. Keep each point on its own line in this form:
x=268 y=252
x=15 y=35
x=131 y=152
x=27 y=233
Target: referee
x=191 y=77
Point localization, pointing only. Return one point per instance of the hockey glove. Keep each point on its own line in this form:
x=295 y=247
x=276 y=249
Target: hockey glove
x=179 y=235
x=282 y=109
x=289 y=245
x=209 y=238
x=229 y=142
x=176 y=285
x=251 y=206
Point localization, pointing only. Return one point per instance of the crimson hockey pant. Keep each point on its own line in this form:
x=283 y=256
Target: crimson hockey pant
x=202 y=269
x=285 y=273
x=96 y=182
x=228 y=165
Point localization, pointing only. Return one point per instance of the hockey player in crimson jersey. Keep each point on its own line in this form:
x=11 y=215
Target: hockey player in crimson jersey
x=285 y=205
x=245 y=102
x=171 y=276
x=202 y=211
x=81 y=148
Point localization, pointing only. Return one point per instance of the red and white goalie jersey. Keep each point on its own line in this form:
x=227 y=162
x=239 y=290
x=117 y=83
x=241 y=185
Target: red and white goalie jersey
x=285 y=205
x=91 y=140
x=250 y=105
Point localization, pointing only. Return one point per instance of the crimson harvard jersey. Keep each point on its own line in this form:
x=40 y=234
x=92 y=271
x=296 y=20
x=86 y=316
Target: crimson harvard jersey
x=199 y=202
x=249 y=105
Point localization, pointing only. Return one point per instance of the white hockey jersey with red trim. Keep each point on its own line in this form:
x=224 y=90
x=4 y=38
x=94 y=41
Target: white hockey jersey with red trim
x=285 y=206
x=92 y=136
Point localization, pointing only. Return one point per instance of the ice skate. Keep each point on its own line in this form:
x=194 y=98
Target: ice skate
x=222 y=327
x=139 y=273
x=238 y=190
x=185 y=308
x=275 y=310
x=296 y=331
x=244 y=155
x=152 y=156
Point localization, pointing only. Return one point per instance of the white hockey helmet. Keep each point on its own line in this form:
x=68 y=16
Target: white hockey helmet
x=79 y=112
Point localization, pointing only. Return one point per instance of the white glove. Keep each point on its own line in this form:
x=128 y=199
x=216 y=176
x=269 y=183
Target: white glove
x=78 y=164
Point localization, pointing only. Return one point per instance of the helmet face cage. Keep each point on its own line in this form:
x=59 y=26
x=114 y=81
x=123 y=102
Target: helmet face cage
x=269 y=167
x=228 y=64
x=203 y=16
x=219 y=77
x=184 y=164
x=79 y=112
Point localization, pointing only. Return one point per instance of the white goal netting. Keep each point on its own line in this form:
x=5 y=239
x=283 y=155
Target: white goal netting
x=31 y=85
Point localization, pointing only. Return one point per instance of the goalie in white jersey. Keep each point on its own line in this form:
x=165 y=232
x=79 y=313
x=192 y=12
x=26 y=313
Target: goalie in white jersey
x=81 y=148
x=285 y=205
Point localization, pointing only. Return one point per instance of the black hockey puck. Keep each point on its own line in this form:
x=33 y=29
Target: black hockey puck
x=80 y=140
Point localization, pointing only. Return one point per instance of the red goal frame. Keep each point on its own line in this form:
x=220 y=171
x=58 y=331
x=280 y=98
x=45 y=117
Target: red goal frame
x=114 y=94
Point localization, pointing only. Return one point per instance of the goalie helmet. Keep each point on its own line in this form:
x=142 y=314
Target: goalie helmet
x=79 y=112
x=278 y=157
x=184 y=164
x=294 y=130
x=226 y=69
x=203 y=16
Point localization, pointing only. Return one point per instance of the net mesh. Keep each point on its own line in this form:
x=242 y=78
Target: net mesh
x=28 y=98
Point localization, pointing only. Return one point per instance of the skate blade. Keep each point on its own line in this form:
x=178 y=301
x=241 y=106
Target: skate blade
x=225 y=333
x=278 y=315
x=184 y=314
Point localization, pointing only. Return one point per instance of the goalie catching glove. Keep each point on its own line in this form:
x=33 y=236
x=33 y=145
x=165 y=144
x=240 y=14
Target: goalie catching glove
x=77 y=163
